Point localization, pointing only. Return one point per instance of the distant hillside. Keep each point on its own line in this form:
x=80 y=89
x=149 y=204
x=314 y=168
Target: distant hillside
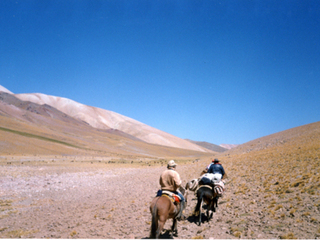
x=28 y=128
x=229 y=146
x=210 y=146
x=106 y=120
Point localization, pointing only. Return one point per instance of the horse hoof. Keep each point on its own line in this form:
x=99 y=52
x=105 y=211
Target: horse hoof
x=175 y=234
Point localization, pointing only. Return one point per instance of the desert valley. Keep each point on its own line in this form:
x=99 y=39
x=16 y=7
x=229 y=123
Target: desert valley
x=68 y=170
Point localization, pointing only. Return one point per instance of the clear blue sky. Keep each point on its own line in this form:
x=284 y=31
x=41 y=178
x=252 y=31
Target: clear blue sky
x=216 y=71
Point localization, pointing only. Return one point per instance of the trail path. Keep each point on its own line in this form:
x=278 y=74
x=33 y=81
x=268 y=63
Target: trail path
x=49 y=202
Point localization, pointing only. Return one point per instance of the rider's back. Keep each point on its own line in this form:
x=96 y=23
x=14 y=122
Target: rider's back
x=216 y=168
x=170 y=180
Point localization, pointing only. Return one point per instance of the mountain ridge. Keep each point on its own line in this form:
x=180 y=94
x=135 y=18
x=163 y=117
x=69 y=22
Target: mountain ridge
x=51 y=112
x=27 y=128
x=105 y=119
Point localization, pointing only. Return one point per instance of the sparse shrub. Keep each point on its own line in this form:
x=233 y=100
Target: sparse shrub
x=305 y=214
x=271 y=205
x=278 y=207
x=73 y=233
x=288 y=236
x=197 y=237
x=237 y=234
x=313 y=220
x=297 y=183
x=298 y=198
x=292 y=211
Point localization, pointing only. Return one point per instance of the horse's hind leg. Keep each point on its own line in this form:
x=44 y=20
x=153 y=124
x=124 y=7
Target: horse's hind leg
x=215 y=203
x=174 y=228
x=161 y=222
x=210 y=208
x=200 y=208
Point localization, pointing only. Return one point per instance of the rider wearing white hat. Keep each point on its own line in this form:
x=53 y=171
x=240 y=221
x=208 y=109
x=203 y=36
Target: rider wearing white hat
x=170 y=180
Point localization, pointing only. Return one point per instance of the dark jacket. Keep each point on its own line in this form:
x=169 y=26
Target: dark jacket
x=216 y=168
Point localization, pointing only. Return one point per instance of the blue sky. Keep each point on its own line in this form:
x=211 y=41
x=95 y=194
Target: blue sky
x=216 y=71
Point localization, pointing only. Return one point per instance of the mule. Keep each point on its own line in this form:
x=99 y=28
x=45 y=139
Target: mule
x=162 y=208
x=205 y=194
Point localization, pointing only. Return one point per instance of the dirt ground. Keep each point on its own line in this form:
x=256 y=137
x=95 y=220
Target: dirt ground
x=113 y=202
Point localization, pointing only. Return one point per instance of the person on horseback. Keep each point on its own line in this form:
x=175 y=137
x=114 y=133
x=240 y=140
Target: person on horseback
x=170 y=181
x=213 y=175
x=216 y=168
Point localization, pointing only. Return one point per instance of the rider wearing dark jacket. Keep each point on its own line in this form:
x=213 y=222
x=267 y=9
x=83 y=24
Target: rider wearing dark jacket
x=216 y=167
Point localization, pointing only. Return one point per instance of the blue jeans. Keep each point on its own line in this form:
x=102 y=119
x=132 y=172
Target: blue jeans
x=180 y=195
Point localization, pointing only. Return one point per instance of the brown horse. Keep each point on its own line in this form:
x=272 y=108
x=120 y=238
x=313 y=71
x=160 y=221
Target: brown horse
x=205 y=194
x=162 y=208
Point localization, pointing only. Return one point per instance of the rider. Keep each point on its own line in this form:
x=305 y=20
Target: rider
x=170 y=181
x=216 y=168
x=213 y=175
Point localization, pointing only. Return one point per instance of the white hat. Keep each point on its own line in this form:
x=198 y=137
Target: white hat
x=171 y=163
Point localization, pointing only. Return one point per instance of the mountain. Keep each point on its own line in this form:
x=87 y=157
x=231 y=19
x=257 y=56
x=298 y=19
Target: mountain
x=3 y=89
x=104 y=119
x=210 y=146
x=306 y=135
x=228 y=146
x=29 y=128
x=55 y=119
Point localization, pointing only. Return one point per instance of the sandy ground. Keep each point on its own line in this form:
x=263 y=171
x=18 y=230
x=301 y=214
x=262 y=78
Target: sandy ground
x=100 y=202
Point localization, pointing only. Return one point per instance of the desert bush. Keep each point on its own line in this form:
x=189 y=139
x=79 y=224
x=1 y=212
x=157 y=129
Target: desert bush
x=288 y=236
x=278 y=207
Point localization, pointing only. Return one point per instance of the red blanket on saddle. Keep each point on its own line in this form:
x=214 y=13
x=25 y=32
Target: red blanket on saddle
x=172 y=196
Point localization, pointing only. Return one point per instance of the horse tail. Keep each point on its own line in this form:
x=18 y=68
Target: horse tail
x=154 y=221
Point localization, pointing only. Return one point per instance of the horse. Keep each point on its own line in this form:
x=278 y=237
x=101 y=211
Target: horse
x=206 y=194
x=162 y=208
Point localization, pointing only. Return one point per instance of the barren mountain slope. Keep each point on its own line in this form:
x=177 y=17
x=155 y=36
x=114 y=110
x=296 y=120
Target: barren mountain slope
x=104 y=119
x=276 y=178
x=30 y=128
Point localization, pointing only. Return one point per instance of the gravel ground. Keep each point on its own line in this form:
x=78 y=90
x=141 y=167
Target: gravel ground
x=94 y=202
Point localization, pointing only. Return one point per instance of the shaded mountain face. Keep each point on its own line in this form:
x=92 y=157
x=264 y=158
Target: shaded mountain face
x=210 y=146
x=15 y=107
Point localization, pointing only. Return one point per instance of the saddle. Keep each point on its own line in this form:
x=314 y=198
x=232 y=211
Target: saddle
x=172 y=196
x=218 y=188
